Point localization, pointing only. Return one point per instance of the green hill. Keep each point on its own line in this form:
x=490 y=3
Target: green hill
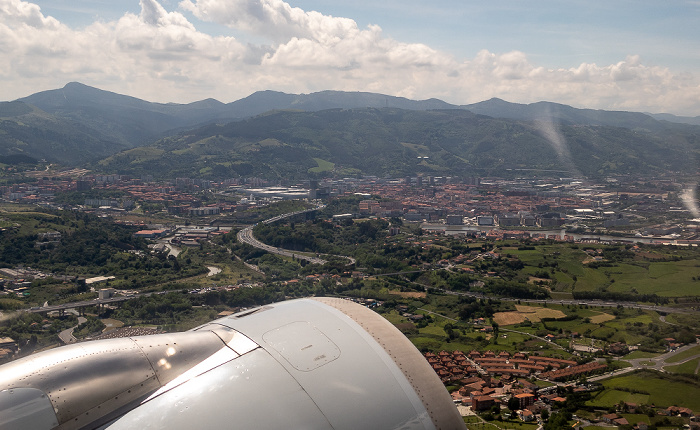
x=30 y=132
x=395 y=142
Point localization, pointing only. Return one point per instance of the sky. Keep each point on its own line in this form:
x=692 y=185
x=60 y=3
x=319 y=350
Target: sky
x=635 y=55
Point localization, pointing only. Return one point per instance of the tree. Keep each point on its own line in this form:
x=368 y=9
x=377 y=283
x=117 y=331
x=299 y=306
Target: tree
x=557 y=421
x=513 y=404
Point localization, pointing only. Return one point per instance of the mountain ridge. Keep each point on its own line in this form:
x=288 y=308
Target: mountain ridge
x=262 y=101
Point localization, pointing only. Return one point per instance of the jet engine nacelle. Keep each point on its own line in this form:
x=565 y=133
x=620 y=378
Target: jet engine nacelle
x=319 y=363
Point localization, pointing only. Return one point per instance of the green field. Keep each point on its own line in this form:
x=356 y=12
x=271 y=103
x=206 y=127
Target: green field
x=663 y=391
x=661 y=278
x=323 y=166
x=610 y=398
x=687 y=368
x=678 y=276
x=689 y=320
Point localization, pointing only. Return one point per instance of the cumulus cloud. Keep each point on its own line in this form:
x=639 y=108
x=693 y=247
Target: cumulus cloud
x=161 y=55
x=23 y=13
x=274 y=19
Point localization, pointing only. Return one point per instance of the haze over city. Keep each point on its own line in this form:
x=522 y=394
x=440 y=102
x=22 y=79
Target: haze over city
x=638 y=56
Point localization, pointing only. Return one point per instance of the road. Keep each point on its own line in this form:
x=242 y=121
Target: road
x=659 y=362
x=246 y=236
x=66 y=336
x=656 y=363
x=82 y=304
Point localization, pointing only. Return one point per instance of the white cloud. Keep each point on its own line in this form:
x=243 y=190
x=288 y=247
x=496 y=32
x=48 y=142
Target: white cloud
x=23 y=13
x=274 y=19
x=160 y=55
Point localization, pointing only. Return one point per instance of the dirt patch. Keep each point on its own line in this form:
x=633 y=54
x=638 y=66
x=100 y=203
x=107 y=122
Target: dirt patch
x=601 y=318
x=409 y=294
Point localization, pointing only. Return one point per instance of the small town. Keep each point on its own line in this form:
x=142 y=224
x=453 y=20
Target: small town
x=623 y=206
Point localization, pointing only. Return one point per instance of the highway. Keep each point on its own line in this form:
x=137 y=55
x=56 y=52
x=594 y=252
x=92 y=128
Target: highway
x=246 y=236
x=66 y=336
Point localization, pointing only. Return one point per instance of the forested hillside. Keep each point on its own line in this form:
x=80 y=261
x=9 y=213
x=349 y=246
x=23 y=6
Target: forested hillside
x=399 y=142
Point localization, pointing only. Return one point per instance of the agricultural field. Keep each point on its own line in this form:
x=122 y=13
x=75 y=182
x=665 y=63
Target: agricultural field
x=323 y=166
x=610 y=398
x=664 y=271
x=661 y=422
x=646 y=387
x=670 y=279
x=691 y=367
x=601 y=318
x=598 y=327
x=526 y=313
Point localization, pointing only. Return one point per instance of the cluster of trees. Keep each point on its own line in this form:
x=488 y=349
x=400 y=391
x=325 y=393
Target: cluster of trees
x=33 y=330
x=496 y=286
x=323 y=236
x=92 y=326
x=654 y=335
x=89 y=246
x=161 y=309
x=471 y=308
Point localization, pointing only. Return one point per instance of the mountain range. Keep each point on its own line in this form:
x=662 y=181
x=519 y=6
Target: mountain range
x=285 y=135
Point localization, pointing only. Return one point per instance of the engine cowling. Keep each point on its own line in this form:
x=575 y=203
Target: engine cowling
x=320 y=363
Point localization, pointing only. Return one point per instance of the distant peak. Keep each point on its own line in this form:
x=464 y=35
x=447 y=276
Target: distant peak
x=70 y=85
x=80 y=87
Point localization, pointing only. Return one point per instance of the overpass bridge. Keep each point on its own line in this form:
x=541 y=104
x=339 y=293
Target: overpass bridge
x=78 y=305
